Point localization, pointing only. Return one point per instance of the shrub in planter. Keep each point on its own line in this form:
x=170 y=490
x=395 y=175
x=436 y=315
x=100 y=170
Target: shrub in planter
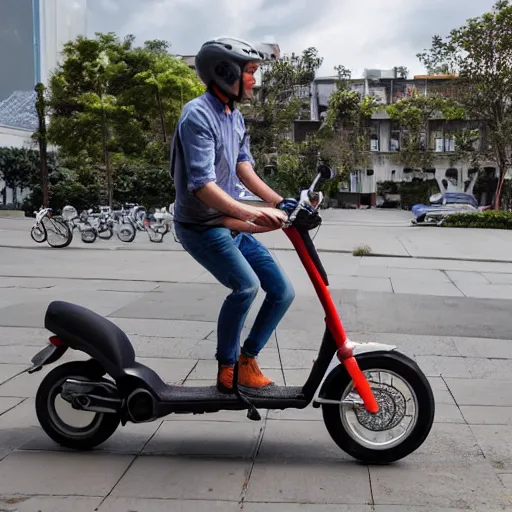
x=483 y=220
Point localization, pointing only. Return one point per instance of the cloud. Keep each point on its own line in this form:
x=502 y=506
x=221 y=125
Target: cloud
x=362 y=34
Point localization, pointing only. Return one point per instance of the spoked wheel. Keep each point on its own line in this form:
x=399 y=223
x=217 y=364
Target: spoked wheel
x=406 y=409
x=89 y=236
x=155 y=237
x=79 y=430
x=58 y=233
x=38 y=233
x=126 y=233
x=106 y=234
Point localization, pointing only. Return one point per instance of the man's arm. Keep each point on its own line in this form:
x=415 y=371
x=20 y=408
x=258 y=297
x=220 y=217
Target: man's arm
x=213 y=196
x=255 y=184
x=199 y=152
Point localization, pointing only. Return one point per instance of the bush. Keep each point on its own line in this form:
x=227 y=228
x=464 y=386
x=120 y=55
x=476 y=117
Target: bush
x=484 y=220
x=411 y=192
x=362 y=250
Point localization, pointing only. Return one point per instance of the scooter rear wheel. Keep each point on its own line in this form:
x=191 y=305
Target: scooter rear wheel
x=50 y=407
x=406 y=412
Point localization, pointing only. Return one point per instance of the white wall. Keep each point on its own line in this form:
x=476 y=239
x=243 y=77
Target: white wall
x=61 y=21
x=14 y=137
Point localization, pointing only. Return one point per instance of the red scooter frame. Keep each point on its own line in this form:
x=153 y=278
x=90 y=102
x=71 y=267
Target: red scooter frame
x=333 y=321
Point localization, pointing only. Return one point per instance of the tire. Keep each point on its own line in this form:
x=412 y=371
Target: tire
x=405 y=368
x=38 y=234
x=101 y=427
x=126 y=233
x=107 y=234
x=62 y=226
x=89 y=236
x=155 y=237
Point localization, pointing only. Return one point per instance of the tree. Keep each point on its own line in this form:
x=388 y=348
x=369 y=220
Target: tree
x=413 y=115
x=88 y=119
x=170 y=82
x=284 y=97
x=345 y=136
x=108 y=101
x=42 y=139
x=481 y=52
x=402 y=72
x=17 y=166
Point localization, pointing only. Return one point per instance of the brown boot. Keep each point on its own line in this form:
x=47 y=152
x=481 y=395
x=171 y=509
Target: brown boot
x=249 y=373
x=225 y=379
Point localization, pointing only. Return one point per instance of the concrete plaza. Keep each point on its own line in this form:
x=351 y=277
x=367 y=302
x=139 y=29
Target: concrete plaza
x=444 y=296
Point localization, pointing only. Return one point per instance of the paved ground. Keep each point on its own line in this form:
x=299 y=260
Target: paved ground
x=452 y=316
x=387 y=232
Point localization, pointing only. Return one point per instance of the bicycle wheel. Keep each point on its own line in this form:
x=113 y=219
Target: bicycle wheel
x=126 y=233
x=88 y=236
x=38 y=233
x=155 y=237
x=58 y=233
x=106 y=234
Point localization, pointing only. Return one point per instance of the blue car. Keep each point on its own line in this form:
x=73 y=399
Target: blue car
x=442 y=205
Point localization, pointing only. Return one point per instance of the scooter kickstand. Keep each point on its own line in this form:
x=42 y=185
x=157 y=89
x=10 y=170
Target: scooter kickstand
x=252 y=412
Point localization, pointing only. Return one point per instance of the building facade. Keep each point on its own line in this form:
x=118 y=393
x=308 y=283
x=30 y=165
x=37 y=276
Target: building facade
x=32 y=36
x=385 y=133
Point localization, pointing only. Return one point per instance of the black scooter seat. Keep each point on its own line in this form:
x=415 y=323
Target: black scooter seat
x=83 y=329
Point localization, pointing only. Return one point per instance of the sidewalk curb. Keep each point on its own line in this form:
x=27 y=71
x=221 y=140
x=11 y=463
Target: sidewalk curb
x=283 y=249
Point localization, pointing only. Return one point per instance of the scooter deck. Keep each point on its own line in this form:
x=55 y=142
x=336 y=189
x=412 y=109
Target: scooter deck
x=183 y=399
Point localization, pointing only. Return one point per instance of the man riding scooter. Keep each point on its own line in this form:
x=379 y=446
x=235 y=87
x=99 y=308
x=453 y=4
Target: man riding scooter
x=210 y=161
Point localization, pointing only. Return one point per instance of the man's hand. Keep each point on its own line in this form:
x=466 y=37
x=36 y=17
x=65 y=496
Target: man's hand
x=268 y=217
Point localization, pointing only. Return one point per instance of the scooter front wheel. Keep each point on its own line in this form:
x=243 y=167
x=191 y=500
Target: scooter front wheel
x=71 y=428
x=406 y=409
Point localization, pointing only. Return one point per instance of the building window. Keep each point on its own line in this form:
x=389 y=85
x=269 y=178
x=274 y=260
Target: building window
x=394 y=144
x=449 y=143
x=375 y=136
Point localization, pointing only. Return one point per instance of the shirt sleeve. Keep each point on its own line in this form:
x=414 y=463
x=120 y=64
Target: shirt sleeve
x=244 y=152
x=198 y=150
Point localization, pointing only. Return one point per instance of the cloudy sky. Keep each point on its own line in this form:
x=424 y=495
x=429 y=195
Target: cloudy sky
x=356 y=33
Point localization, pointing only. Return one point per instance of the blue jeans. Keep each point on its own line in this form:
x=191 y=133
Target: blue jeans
x=240 y=263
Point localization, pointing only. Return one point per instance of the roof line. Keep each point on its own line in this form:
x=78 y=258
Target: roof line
x=16 y=128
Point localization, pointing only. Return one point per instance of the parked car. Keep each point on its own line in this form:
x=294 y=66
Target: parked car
x=445 y=204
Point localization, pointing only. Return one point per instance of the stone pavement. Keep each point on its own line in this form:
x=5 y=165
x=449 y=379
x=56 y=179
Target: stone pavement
x=287 y=462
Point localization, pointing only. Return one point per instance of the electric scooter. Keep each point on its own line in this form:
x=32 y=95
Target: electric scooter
x=377 y=404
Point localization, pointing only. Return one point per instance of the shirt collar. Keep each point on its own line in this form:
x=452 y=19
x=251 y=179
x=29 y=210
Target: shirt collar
x=217 y=103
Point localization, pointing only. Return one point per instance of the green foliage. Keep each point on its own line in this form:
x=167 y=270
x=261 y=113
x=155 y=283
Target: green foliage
x=413 y=115
x=480 y=52
x=17 y=167
x=82 y=185
x=148 y=186
x=270 y=117
x=414 y=112
x=112 y=104
x=484 y=220
x=294 y=167
x=345 y=137
x=411 y=192
x=362 y=250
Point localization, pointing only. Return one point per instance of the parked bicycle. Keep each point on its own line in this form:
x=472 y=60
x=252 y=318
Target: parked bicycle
x=51 y=229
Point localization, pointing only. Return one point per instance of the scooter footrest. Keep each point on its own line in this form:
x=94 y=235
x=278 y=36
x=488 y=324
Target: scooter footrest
x=272 y=392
